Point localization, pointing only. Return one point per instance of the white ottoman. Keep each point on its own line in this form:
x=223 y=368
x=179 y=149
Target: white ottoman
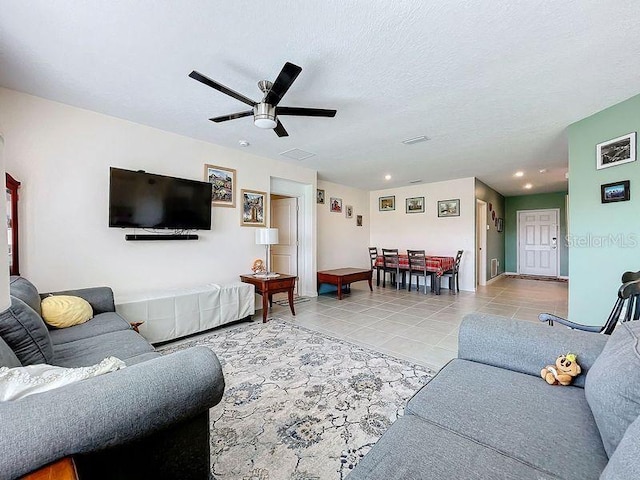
x=172 y=314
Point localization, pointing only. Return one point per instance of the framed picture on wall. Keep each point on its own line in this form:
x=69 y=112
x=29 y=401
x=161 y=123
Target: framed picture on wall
x=253 y=208
x=616 y=151
x=615 y=192
x=335 y=204
x=359 y=220
x=320 y=196
x=387 y=204
x=500 y=225
x=348 y=211
x=223 y=181
x=449 y=208
x=414 y=205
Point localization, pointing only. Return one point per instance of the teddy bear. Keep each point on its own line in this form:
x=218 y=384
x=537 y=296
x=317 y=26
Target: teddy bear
x=563 y=372
x=258 y=266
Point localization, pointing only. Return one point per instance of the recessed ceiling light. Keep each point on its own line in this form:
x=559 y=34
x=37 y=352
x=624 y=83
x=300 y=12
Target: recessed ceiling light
x=543 y=170
x=387 y=177
x=411 y=141
x=528 y=186
x=518 y=174
x=244 y=143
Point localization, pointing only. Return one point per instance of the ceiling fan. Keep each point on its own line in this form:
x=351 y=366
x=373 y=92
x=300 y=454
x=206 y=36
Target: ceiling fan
x=265 y=113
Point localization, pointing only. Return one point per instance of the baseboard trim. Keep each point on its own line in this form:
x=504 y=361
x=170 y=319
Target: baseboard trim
x=489 y=282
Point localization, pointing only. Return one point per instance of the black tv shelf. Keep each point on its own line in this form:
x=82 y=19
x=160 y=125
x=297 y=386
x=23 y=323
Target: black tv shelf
x=136 y=237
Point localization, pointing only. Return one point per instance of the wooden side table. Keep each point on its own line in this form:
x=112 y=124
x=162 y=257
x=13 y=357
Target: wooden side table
x=64 y=469
x=268 y=286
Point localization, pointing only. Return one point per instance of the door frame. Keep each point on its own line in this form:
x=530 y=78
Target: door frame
x=518 y=212
x=481 y=246
x=306 y=194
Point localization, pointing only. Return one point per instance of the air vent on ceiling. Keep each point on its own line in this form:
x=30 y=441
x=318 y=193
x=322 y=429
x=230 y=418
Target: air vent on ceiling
x=297 y=154
x=414 y=140
x=415 y=181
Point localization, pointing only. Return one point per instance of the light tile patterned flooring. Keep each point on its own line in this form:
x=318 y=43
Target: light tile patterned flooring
x=417 y=327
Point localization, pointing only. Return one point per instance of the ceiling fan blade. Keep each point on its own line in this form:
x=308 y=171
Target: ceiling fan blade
x=280 y=131
x=231 y=116
x=306 y=112
x=221 y=88
x=285 y=78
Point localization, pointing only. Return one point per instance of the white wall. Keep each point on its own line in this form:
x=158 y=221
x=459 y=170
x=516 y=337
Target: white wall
x=426 y=231
x=340 y=242
x=62 y=155
x=4 y=251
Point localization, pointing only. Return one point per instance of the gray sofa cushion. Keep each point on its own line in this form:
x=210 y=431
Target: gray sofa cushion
x=413 y=449
x=25 y=332
x=123 y=344
x=98 y=325
x=516 y=414
x=7 y=357
x=524 y=346
x=26 y=291
x=625 y=462
x=612 y=385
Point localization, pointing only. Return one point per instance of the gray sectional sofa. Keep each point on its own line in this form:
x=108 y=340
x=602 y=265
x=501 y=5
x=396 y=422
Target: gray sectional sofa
x=489 y=415
x=148 y=420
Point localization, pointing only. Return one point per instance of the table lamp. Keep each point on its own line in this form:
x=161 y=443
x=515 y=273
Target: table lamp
x=267 y=237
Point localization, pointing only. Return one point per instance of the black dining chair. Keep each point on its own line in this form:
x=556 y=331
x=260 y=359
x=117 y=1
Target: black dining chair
x=623 y=311
x=373 y=258
x=453 y=273
x=391 y=265
x=418 y=267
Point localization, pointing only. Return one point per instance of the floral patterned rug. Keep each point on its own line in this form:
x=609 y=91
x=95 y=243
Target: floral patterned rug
x=299 y=404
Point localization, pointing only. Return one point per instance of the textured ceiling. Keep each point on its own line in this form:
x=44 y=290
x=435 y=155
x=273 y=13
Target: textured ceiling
x=492 y=83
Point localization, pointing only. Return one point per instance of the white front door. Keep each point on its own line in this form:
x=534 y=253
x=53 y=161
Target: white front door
x=538 y=242
x=284 y=217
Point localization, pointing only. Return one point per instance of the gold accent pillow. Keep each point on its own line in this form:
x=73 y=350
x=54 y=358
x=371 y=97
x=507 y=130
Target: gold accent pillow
x=63 y=311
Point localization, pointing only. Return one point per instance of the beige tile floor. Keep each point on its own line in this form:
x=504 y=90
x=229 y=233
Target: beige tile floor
x=417 y=327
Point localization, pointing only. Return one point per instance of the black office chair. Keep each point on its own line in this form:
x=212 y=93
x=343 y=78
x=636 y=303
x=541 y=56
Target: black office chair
x=373 y=258
x=391 y=265
x=418 y=267
x=453 y=273
x=624 y=310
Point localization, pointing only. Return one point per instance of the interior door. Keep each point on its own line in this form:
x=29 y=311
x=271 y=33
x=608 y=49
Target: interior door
x=538 y=242
x=284 y=217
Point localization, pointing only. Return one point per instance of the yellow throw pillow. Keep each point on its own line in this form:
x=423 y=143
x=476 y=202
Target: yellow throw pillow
x=62 y=311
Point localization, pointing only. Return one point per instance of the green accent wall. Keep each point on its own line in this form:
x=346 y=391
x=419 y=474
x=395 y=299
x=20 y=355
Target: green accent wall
x=603 y=237
x=495 y=240
x=534 y=202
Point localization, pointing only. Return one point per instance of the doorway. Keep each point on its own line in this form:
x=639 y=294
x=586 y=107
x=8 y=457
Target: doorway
x=481 y=242
x=538 y=242
x=284 y=217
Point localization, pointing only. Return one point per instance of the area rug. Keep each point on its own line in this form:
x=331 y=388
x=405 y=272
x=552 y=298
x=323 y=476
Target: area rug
x=299 y=404
x=538 y=277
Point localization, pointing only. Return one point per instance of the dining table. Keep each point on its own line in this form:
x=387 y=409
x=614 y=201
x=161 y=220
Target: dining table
x=435 y=264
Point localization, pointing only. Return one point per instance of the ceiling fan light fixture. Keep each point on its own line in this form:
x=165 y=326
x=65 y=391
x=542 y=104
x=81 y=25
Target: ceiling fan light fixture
x=264 y=116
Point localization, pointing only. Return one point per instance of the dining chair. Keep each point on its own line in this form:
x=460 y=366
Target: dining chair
x=373 y=258
x=452 y=274
x=418 y=267
x=391 y=265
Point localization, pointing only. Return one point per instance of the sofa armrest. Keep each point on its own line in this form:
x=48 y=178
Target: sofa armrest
x=100 y=298
x=109 y=410
x=524 y=346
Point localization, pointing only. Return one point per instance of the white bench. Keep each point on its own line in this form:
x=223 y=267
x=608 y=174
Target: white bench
x=172 y=314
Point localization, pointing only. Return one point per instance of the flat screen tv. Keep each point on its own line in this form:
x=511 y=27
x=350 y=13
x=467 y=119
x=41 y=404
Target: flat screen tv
x=145 y=200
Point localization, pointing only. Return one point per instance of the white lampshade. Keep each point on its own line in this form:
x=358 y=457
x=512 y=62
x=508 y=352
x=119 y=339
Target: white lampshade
x=266 y=236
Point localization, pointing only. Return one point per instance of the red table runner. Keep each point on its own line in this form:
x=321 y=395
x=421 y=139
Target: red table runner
x=436 y=264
